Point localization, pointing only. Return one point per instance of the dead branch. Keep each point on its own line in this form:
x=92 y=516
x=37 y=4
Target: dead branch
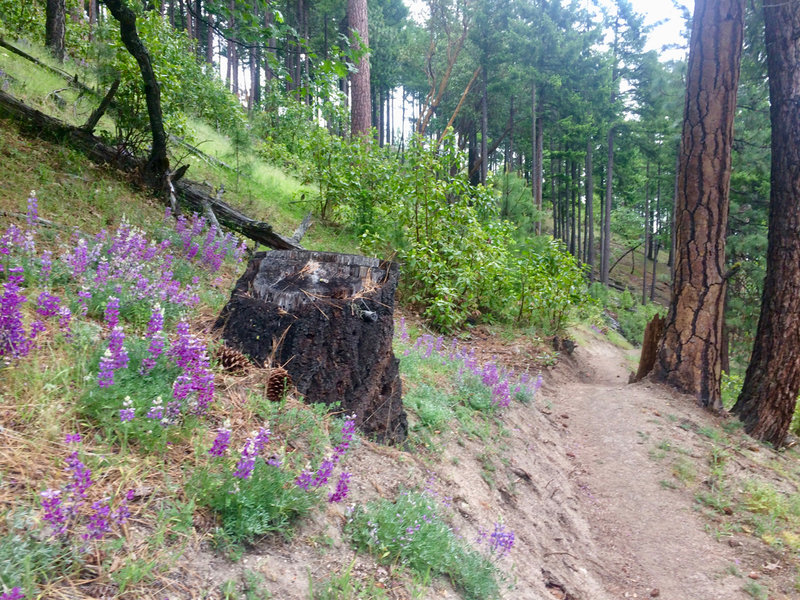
x=98 y=113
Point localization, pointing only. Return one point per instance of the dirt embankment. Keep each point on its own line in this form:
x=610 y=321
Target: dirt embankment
x=577 y=476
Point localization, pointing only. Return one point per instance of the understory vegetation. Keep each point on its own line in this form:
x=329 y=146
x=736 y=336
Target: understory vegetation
x=113 y=392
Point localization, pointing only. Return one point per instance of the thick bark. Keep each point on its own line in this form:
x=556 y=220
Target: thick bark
x=647 y=358
x=157 y=165
x=589 y=211
x=689 y=356
x=55 y=27
x=772 y=382
x=360 y=109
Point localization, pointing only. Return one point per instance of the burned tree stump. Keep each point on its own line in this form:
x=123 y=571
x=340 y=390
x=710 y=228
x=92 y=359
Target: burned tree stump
x=328 y=319
x=647 y=359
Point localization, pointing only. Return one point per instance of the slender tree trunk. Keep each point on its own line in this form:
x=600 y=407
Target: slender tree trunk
x=92 y=9
x=655 y=270
x=605 y=254
x=484 y=125
x=210 y=39
x=233 y=50
x=689 y=356
x=271 y=42
x=538 y=176
x=55 y=27
x=189 y=25
x=671 y=258
x=767 y=402
x=553 y=196
x=157 y=165
x=361 y=97
x=646 y=231
x=381 y=118
x=578 y=225
x=573 y=202
x=589 y=210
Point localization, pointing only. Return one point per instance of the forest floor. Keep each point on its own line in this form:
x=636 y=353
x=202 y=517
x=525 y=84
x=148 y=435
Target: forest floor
x=612 y=490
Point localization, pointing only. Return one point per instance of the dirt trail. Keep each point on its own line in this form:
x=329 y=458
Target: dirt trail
x=649 y=538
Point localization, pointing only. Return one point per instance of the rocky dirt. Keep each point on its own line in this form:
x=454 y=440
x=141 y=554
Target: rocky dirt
x=597 y=509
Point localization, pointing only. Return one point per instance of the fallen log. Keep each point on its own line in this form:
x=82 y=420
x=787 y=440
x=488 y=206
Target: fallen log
x=193 y=194
x=72 y=79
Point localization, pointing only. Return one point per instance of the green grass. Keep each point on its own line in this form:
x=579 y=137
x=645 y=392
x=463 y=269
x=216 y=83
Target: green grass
x=412 y=531
x=345 y=586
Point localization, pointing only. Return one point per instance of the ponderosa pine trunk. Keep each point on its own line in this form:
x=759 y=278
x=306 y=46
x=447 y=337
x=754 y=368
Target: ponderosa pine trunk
x=689 y=355
x=361 y=105
x=55 y=27
x=157 y=164
x=767 y=402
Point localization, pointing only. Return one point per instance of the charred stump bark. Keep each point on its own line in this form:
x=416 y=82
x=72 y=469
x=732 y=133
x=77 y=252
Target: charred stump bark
x=328 y=320
x=647 y=359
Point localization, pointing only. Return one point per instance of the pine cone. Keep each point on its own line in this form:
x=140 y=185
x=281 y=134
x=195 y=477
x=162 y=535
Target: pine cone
x=278 y=382
x=232 y=360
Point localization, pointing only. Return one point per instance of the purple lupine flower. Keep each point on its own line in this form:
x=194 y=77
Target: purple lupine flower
x=127 y=412
x=72 y=438
x=156 y=409
x=274 y=461
x=14 y=342
x=247 y=461
x=47 y=305
x=260 y=440
x=99 y=521
x=111 y=313
x=32 y=216
x=501 y=395
x=501 y=540
x=65 y=320
x=221 y=442
x=103 y=274
x=37 y=327
x=189 y=353
x=303 y=480
x=251 y=450
x=154 y=332
x=14 y=594
x=105 y=373
x=83 y=296
x=53 y=513
x=341 y=488
x=123 y=512
x=80 y=475
x=348 y=429
x=46 y=265
x=78 y=259
x=116 y=345
x=323 y=473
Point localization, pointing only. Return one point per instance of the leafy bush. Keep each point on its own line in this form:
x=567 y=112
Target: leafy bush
x=629 y=316
x=412 y=531
x=185 y=84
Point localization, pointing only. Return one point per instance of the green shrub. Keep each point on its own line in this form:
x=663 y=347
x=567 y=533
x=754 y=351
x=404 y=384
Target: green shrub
x=27 y=560
x=412 y=531
x=268 y=501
